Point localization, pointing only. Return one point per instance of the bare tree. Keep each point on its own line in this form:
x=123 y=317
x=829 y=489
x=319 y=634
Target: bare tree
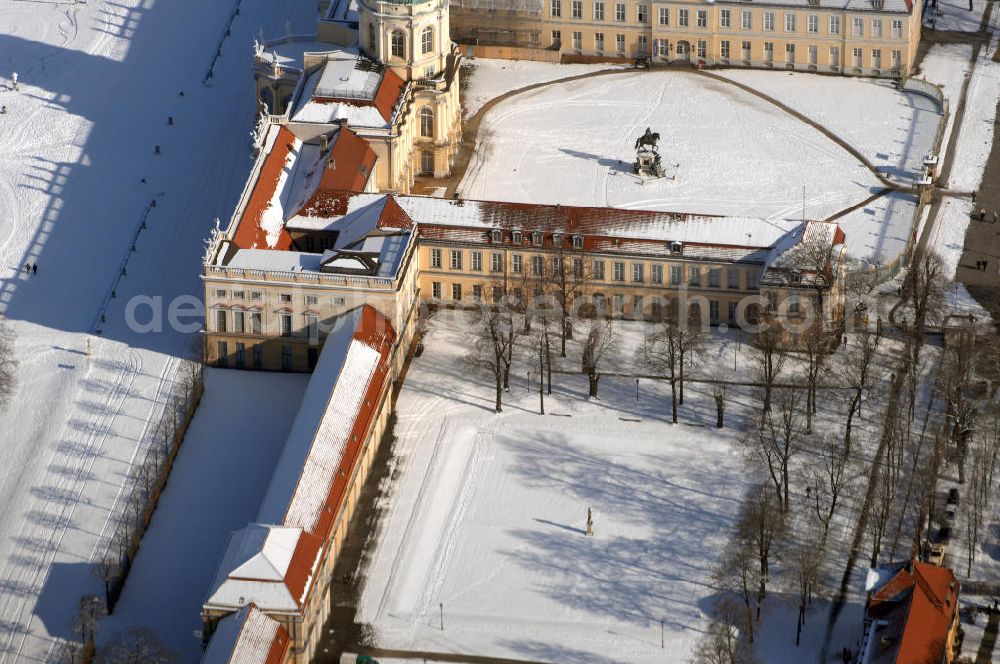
x=600 y=341
x=492 y=346
x=813 y=345
x=775 y=439
x=568 y=272
x=724 y=642
x=8 y=363
x=977 y=502
x=806 y=560
x=665 y=347
x=737 y=573
x=719 y=391
x=136 y=645
x=91 y=610
x=761 y=523
x=829 y=477
x=768 y=358
x=108 y=572
x=924 y=287
x=855 y=368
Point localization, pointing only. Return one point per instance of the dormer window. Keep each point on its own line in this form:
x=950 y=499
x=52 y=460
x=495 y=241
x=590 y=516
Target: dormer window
x=578 y=242
x=495 y=235
x=516 y=236
x=676 y=248
x=557 y=239
x=795 y=278
x=536 y=238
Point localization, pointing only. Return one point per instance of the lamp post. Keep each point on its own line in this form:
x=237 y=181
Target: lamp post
x=637 y=390
x=441 y=607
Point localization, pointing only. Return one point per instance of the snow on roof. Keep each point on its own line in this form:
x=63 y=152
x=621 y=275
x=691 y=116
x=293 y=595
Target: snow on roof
x=272 y=176
x=326 y=435
x=267 y=565
x=275 y=261
x=343 y=11
x=349 y=86
x=248 y=636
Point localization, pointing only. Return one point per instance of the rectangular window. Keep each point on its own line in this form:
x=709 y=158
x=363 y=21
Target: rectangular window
x=537 y=267
x=619 y=303
x=285 y=297
x=619 y=11
x=642 y=44
x=857 y=57
x=285 y=324
x=702 y=48
x=286 y=358
x=793 y=304
x=436 y=258
x=256 y=323
x=477 y=261
x=769 y=20
x=238 y=295
x=876 y=28
x=701 y=18
x=896 y=59
x=436 y=290
x=599 y=13
x=555 y=8
x=746 y=50
x=812 y=54
x=223 y=354
x=577 y=7
x=637 y=272
x=813 y=23
x=642 y=13
x=497 y=293
x=768 y=52
x=618 y=271
x=876 y=58
x=637 y=307
x=746 y=20
x=220 y=320
x=834 y=56
x=620 y=43
x=517 y=263
x=239 y=324
x=731 y=313
x=725 y=18
x=456 y=260
x=577 y=40
x=714 y=277
x=477 y=292
x=682 y=18
x=664 y=16
x=496 y=262
x=694 y=276
x=255 y=296
x=732 y=278
x=597 y=269
x=789 y=53
x=859 y=27
x=220 y=294
x=556 y=37
x=897 y=28
x=456 y=292
x=557 y=266
x=662 y=47
x=312 y=328
x=834 y=25
x=713 y=311
x=675 y=274
x=312 y=300
x=338 y=301
x=790 y=21
x=656 y=273
x=578 y=268
x=598 y=41
x=258 y=357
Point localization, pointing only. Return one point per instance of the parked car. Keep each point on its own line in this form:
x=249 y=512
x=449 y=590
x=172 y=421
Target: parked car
x=935 y=555
x=953 y=497
x=943 y=535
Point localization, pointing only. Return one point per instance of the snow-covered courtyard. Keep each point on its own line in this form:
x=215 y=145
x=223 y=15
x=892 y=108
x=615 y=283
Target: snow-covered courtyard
x=728 y=151
x=487 y=521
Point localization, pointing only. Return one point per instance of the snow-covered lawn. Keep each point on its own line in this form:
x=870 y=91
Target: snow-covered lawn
x=215 y=487
x=893 y=129
x=488 y=78
x=572 y=143
x=98 y=81
x=976 y=137
x=487 y=517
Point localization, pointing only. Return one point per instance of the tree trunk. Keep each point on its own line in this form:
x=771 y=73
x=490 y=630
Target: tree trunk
x=498 y=407
x=720 y=410
x=681 y=400
x=593 y=377
x=548 y=362
x=541 y=383
x=673 y=399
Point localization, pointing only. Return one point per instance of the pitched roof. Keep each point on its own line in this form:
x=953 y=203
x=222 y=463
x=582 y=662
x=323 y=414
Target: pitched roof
x=349 y=86
x=912 y=614
x=268 y=565
x=248 y=636
x=325 y=442
x=252 y=226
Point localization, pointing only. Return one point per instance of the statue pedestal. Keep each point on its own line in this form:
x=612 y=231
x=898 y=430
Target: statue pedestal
x=647 y=164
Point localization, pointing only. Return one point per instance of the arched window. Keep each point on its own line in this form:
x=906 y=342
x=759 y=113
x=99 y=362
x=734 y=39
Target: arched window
x=427 y=122
x=427 y=40
x=398 y=44
x=372 y=39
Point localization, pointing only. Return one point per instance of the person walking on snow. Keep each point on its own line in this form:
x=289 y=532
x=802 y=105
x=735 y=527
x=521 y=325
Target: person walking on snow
x=27 y=267
x=34 y=268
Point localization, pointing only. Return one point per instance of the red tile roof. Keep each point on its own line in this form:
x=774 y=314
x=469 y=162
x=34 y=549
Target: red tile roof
x=932 y=594
x=300 y=568
x=390 y=89
x=248 y=233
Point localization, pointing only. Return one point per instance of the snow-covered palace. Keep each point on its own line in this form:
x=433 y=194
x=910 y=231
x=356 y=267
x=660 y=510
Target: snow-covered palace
x=328 y=262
